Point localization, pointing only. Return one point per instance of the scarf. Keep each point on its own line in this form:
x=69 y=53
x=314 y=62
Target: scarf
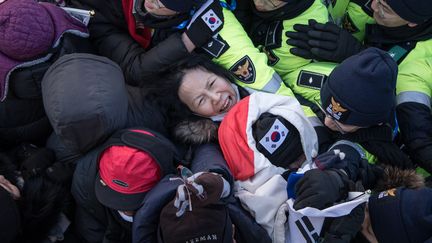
x=381 y=36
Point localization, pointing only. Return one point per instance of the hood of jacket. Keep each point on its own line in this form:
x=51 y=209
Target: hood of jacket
x=85 y=99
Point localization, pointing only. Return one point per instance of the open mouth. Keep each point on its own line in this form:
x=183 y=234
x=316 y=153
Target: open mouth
x=226 y=106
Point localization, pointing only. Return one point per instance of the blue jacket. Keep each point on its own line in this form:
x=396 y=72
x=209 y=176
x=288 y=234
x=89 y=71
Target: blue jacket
x=146 y=220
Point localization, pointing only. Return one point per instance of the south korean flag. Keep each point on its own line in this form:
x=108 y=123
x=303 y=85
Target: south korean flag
x=274 y=137
x=211 y=20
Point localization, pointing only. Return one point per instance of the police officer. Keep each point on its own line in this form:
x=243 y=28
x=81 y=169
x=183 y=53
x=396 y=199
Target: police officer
x=271 y=19
x=404 y=29
x=356 y=101
x=267 y=20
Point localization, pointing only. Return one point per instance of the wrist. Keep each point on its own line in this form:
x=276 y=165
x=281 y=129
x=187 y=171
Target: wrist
x=190 y=46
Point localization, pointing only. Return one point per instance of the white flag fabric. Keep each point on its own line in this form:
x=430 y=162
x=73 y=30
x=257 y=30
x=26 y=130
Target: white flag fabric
x=305 y=225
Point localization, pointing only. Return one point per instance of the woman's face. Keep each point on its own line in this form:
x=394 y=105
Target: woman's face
x=206 y=94
x=11 y=188
x=156 y=8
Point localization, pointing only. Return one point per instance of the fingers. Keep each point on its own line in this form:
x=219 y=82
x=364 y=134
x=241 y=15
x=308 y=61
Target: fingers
x=298 y=43
x=297 y=35
x=302 y=28
x=322 y=35
x=301 y=185
x=312 y=22
x=327 y=27
x=322 y=54
x=302 y=53
x=324 y=45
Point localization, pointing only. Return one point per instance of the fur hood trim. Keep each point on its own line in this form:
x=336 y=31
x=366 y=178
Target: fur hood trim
x=196 y=131
x=395 y=177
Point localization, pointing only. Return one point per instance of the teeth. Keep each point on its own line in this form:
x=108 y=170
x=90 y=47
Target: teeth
x=225 y=106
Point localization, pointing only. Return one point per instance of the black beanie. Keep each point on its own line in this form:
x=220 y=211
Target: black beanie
x=361 y=90
x=402 y=215
x=9 y=217
x=291 y=147
x=415 y=11
x=181 y=6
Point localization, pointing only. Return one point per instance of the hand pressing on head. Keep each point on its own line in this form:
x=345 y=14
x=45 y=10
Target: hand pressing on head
x=320 y=189
x=324 y=42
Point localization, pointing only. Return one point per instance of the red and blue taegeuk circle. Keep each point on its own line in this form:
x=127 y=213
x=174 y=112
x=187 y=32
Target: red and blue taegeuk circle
x=212 y=20
x=275 y=136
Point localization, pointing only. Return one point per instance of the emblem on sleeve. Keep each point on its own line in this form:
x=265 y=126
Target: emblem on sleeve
x=244 y=70
x=211 y=20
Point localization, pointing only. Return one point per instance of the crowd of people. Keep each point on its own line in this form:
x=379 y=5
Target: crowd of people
x=243 y=121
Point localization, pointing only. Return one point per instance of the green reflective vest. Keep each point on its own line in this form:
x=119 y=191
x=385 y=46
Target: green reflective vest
x=245 y=61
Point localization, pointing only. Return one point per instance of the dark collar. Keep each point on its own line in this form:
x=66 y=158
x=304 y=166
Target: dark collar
x=377 y=35
x=292 y=9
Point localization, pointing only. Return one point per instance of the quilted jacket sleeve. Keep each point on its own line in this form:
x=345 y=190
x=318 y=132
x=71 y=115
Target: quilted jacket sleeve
x=109 y=34
x=208 y=157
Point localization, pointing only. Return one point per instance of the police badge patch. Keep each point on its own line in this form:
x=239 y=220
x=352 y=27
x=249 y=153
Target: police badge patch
x=336 y=110
x=244 y=70
x=348 y=24
x=311 y=79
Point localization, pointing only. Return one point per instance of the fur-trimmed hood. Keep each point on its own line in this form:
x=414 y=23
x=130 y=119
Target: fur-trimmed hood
x=196 y=131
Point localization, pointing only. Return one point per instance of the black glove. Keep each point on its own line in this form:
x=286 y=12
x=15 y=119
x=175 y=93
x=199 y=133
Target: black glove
x=299 y=39
x=320 y=189
x=205 y=23
x=369 y=174
x=323 y=42
x=344 y=229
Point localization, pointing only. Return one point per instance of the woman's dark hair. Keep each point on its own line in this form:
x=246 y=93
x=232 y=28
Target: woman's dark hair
x=165 y=90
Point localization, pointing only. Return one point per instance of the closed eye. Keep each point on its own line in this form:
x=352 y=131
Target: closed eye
x=201 y=101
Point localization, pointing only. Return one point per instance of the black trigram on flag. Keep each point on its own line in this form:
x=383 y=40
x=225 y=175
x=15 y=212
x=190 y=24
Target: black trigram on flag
x=307 y=230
